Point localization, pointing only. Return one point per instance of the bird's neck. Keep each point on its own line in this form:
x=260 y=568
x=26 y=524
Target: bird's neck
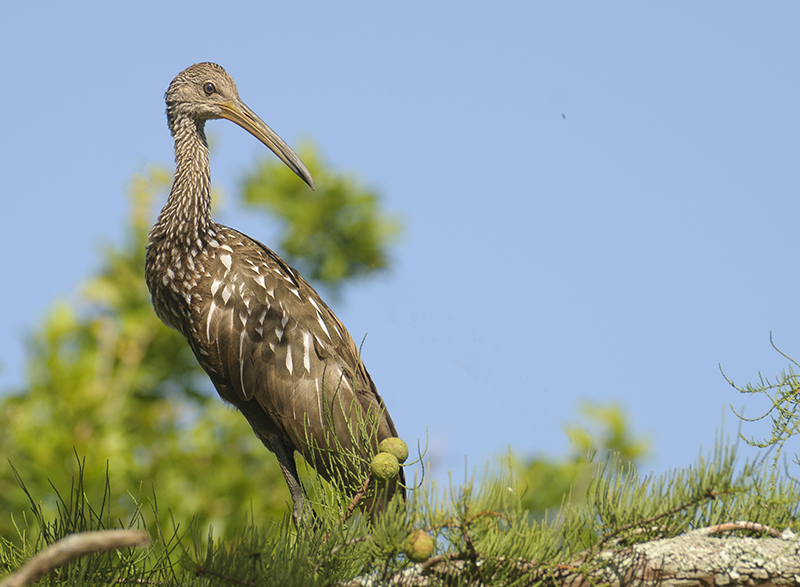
x=186 y=215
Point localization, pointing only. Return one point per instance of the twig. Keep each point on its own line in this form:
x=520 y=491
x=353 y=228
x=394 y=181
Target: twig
x=337 y=548
x=709 y=494
x=200 y=570
x=357 y=498
x=740 y=525
x=72 y=547
x=427 y=566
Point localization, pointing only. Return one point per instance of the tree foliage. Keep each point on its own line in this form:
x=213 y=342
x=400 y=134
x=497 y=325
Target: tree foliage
x=334 y=233
x=107 y=381
x=482 y=534
x=782 y=395
x=605 y=437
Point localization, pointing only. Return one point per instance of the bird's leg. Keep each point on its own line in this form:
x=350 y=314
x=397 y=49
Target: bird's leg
x=284 y=453
x=289 y=468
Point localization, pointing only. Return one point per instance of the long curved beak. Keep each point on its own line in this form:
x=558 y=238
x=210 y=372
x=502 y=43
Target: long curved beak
x=238 y=112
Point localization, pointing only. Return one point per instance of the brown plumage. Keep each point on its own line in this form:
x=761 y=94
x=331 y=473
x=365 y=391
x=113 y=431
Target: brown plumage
x=266 y=339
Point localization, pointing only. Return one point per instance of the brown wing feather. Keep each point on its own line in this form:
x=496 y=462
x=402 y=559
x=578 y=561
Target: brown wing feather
x=269 y=339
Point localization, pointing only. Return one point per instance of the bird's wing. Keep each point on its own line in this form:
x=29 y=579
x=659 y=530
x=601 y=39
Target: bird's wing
x=270 y=339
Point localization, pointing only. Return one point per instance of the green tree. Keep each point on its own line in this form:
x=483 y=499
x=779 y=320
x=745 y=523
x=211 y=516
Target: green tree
x=108 y=382
x=606 y=437
x=782 y=396
x=333 y=234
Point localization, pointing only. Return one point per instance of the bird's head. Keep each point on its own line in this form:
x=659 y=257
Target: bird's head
x=205 y=91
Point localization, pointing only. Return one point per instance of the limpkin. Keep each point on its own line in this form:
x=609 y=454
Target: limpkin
x=267 y=341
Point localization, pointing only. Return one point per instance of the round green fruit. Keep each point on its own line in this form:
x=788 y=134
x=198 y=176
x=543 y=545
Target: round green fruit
x=385 y=466
x=419 y=546
x=394 y=446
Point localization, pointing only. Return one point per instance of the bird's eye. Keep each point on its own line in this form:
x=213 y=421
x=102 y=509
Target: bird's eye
x=209 y=88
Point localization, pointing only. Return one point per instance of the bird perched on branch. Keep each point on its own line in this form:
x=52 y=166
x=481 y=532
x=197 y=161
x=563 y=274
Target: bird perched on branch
x=265 y=338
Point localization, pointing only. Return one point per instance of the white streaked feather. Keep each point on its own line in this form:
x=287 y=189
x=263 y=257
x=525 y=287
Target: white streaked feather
x=211 y=310
x=307 y=351
x=322 y=323
x=242 y=335
x=289 y=364
x=226 y=293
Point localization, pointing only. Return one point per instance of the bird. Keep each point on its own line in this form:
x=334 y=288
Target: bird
x=269 y=343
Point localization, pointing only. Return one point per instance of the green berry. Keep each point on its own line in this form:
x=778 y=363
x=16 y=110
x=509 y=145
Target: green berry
x=385 y=466
x=418 y=546
x=394 y=446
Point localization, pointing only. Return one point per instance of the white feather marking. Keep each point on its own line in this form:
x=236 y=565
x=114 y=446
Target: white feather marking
x=279 y=333
x=211 y=311
x=215 y=286
x=241 y=361
x=214 y=243
x=307 y=351
x=226 y=248
x=271 y=293
x=296 y=292
x=260 y=280
x=226 y=260
x=170 y=273
x=289 y=364
x=284 y=320
x=262 y=316
x=322 y=323
x=226 y=293
x=260 y=330
x=272 y=346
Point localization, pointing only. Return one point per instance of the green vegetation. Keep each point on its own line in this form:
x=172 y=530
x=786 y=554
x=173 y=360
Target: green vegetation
x=605 y=437
x=783 y=398
x=332 y=234
x=481 y=532
x=117 y=427
x=109 y=382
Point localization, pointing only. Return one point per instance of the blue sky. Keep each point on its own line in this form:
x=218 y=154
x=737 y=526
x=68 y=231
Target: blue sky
x=600 y=200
